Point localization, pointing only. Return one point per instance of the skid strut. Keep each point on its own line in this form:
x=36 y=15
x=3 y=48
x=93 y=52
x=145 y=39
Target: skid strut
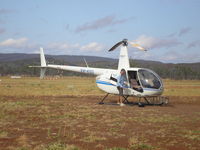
x=101 y=102
x=124 y=101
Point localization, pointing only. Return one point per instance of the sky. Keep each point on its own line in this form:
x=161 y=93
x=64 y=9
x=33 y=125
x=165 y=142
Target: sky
x=169 y=29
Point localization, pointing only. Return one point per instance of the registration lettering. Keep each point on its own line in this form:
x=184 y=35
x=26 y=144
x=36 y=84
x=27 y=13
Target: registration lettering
x=87 y=71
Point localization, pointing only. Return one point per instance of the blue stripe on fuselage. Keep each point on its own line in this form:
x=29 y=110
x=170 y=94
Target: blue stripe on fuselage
x=104 y=82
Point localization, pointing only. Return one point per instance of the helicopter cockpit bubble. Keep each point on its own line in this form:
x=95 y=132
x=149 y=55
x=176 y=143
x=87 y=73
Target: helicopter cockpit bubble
x=149 y=79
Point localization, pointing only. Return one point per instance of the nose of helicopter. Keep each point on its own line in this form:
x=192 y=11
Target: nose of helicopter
x=152 y=92
x=151 y=82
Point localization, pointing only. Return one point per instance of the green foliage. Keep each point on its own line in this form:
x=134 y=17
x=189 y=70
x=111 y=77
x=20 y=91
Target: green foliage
x=142 y=146
x=116 y=148
x=20 y=66
x=60 y=146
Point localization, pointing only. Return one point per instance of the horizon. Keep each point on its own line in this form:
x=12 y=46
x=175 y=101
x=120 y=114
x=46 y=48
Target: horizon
x=102 y=57
x=169 y=29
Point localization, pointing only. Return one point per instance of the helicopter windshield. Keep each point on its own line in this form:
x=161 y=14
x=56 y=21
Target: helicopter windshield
x=148 y=79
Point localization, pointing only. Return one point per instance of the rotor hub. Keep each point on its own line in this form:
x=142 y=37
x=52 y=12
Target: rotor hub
x=125 y=42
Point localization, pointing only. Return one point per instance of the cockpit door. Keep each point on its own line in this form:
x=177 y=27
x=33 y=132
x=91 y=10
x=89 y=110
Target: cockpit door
x=134 y=81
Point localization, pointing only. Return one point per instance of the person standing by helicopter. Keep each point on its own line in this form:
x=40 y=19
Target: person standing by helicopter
x=121 y=83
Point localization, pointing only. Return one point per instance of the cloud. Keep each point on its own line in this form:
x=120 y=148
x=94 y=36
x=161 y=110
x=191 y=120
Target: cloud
x=15 y=43
x=68 y=48
x=184 y=31
x=176 y=57
x=179 y=33
x=171 y=56
x=66 y=27
x=6 y=11
x=94 y=46
x=101 y=23
x=171 y=35
x=2 y=30
x=194 y=44
x=153 y=42
x=111 y=31
x=25 y=45
x=22 y=45
x=44 y=20
x=62 y=46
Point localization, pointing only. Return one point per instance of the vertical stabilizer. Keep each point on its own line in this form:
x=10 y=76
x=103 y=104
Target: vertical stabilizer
x=42 y=58
x=43 y=63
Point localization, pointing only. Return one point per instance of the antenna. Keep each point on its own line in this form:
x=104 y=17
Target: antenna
x=86 y=63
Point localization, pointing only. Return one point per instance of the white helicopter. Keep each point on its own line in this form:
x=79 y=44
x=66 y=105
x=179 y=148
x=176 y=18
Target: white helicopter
x=142 y=83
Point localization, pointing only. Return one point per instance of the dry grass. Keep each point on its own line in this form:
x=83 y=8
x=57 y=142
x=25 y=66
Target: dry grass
x=28 y=86
x=35 y=87
x=182 y=87
x=59 y=114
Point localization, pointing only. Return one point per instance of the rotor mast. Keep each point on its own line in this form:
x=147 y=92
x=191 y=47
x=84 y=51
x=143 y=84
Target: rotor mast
x=123 y=57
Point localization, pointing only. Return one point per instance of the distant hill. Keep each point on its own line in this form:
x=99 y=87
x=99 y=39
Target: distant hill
x=17 y=64
x=70 y=58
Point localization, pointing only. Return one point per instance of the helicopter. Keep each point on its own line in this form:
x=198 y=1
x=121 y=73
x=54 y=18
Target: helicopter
x=142 y=83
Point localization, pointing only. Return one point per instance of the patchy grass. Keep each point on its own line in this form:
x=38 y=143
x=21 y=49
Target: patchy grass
x=80 y=121
x=93 y=138
x=3 y=134
x=182 y=87
x=139 y=143
x=57 y=146
x=116 y=148
x=64 y=114
x=29 y=86
x=192 y=135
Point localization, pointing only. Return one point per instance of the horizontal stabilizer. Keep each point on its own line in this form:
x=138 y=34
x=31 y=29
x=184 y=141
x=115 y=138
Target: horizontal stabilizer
x=36 y=67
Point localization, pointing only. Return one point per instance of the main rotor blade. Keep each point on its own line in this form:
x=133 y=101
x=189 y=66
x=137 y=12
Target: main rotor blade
x=115 y=46
x=137 y=46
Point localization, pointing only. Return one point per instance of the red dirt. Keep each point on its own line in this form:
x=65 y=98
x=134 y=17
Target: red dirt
x=81 y=121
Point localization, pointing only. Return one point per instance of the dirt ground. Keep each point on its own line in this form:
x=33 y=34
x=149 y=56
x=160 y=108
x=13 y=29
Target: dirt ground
x=79 y=122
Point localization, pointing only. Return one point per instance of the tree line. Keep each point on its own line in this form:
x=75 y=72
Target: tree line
x=171 y=71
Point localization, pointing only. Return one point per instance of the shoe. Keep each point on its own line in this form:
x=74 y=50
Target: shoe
x=122 y=104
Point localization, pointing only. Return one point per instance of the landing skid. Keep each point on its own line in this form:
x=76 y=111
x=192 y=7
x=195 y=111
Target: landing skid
x=150 y=101
x=157 y=100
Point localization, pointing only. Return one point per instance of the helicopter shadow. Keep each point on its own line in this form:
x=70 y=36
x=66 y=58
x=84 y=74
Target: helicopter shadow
x=139 y=104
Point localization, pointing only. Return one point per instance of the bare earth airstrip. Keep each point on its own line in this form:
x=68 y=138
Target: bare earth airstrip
x=64 y=114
